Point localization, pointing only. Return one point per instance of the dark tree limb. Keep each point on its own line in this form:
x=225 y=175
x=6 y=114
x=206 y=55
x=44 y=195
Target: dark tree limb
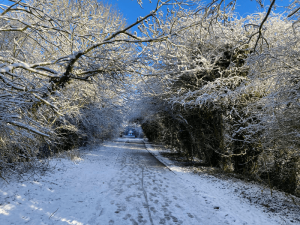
x=262 y=23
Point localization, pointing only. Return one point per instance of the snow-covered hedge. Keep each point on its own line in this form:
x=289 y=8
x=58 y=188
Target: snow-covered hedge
x=231 y=88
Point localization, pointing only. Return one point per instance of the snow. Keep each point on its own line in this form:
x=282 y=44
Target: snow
x=121 y=183
x=27 y=127
x=240 y=199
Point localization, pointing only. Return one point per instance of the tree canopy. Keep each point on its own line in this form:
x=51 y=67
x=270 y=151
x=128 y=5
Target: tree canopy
x=197 y=77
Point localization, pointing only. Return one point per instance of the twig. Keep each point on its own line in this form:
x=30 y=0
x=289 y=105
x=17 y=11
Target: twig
x=53 y=213
x=3 y=178
x=292 y=13
x=262 y=23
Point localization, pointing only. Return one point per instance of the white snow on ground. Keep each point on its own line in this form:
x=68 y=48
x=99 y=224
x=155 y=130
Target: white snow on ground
x=121 y=183
x=235 y=197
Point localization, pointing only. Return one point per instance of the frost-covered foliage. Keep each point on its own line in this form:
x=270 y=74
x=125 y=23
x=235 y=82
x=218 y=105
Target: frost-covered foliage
x=207 y=83
x=64 y=68
x=56 y=76
x=231 y=87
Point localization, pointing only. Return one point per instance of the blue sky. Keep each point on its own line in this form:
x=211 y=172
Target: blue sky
x=131 y=10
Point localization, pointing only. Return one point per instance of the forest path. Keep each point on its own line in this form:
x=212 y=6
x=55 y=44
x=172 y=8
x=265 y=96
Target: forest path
x=144 y=191
x=121 y=183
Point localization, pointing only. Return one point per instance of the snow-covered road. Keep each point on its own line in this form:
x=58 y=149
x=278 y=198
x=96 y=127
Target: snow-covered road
x=122 y=183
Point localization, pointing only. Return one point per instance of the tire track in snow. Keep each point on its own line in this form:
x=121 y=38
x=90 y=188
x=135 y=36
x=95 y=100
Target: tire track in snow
x=146 y=198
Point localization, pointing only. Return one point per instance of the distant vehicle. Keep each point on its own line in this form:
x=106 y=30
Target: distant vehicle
x=130 y=132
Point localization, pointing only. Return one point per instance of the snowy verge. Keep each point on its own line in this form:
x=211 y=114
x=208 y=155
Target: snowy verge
x=67 y=193
x=273 y=202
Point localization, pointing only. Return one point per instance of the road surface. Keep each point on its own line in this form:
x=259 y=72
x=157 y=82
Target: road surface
x=122 y=183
